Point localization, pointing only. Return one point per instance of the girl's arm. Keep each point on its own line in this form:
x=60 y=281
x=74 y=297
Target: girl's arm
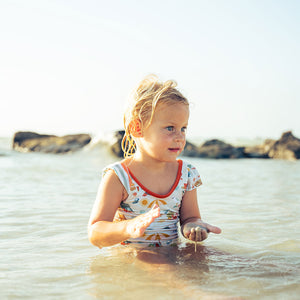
x=102 y=230
x=192 y=227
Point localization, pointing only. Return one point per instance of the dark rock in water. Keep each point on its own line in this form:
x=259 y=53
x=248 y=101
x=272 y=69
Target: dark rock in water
x=287 y=147
x=34 y=142
x=219 y=149
x=210 y=149
x=259 y=151
x=190 y=150
x=116 y=146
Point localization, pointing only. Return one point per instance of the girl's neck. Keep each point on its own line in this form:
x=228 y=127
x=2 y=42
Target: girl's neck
x=149 y=163
x=156 y=176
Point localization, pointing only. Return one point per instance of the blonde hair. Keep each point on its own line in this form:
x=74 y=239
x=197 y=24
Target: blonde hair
x=143 y=102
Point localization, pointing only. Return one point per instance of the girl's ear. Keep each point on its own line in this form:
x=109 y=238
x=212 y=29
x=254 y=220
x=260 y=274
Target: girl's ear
x=135 y=127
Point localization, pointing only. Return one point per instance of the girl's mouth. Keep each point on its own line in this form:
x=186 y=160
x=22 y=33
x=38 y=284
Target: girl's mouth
x=174 y=149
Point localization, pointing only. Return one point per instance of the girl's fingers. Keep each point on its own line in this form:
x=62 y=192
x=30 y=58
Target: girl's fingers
x=198 y=234
x=139 y=224
x=204 y=234
x=199 y=231
x=192 y=234
x=155 y=211
x=155 y=206
x=213 y=229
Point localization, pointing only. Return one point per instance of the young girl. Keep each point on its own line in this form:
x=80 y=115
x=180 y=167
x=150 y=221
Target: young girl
x=142 y=198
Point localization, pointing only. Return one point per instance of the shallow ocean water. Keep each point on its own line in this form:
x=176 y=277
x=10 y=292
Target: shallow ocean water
x=45 y=202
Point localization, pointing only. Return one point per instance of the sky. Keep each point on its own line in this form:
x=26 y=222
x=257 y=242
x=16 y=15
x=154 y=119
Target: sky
x=68 y=66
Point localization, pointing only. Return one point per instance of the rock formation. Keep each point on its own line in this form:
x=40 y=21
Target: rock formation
x=219 y=149
x=116 y=146
x=287 y=147
x=190 y=150
x=259 y=151
x=34 y=142
x=210 y=149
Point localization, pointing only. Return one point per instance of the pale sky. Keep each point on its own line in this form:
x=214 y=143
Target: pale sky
x=69 y=66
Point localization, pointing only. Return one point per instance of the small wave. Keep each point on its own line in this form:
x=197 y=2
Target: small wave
x=289 y=245
x=101 y=140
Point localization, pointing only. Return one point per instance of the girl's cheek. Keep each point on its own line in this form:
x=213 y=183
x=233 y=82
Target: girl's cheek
x=167 y=133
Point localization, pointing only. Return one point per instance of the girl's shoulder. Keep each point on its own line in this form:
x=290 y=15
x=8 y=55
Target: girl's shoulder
x=111 y=168
x=119 y=168
x=187 y=165
x=190 y=175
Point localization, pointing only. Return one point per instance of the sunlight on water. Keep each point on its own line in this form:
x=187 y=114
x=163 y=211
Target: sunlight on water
x=45 y=203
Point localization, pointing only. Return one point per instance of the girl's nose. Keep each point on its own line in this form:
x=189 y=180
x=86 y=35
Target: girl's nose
x=180 y=136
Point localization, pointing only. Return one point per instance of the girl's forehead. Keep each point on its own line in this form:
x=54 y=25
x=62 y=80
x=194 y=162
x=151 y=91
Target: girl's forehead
x=174 y=106
x=172 y=110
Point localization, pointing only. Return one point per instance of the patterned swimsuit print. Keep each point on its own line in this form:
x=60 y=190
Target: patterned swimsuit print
x=163 y=231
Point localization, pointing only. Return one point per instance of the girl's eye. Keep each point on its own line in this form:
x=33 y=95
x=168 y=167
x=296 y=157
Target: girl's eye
x=183 y=129
x=170 y=128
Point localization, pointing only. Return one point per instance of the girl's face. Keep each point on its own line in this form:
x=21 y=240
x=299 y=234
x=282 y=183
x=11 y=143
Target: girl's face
x=164 y=139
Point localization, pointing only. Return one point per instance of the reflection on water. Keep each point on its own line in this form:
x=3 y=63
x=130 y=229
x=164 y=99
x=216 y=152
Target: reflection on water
x=180 y=272
x=173 y=274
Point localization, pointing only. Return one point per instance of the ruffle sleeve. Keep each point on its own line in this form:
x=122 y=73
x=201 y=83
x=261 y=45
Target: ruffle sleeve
x=121 y=173
x=193 y=180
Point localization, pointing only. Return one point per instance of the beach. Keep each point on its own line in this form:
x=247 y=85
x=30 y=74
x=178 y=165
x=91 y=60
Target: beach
x=46 y=199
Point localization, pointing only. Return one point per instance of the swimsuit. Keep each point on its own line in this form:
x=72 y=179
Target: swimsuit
x=163 y=231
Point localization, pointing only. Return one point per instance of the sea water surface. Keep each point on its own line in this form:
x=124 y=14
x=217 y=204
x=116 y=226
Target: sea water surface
x=46 y=199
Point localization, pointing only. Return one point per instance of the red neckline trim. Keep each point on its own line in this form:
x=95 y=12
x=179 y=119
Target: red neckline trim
x=155 y=194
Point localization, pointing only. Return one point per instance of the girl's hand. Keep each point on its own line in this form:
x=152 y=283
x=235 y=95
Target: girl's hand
x=137 y=226
x=197 y=231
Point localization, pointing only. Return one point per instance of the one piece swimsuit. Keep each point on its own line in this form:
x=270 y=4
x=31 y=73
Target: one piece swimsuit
x=163 y=231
